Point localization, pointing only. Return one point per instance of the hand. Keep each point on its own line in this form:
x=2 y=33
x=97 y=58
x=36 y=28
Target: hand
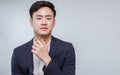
x=40 y=49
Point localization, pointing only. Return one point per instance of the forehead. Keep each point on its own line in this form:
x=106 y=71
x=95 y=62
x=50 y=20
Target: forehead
x=43 y=11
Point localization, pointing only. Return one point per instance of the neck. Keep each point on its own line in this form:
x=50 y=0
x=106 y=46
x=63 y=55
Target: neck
x=46 y=38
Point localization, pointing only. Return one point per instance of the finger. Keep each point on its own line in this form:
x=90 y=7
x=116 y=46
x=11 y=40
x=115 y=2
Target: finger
x=43 y=42
x=36 y=44
x=34 y=52
x=39 y=42
x=34 y=48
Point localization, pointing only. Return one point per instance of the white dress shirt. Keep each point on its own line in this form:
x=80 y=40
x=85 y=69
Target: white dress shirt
x=38 y=64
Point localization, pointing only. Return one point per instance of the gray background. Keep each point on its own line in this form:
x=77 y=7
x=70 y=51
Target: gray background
x=93 y=26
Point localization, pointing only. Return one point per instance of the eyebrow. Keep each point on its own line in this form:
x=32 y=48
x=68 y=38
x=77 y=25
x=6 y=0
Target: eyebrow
x=42 y=15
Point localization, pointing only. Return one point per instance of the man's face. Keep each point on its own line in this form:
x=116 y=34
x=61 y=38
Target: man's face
x=43 y=21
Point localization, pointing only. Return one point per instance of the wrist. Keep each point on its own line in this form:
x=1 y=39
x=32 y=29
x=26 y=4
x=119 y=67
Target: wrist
x=47 y=60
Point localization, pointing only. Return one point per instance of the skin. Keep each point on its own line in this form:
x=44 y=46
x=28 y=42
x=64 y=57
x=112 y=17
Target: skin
x=43 y=22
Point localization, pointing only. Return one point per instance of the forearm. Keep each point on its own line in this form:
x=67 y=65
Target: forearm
x=53 y=69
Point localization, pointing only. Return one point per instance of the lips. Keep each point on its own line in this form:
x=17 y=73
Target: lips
x=43 y=28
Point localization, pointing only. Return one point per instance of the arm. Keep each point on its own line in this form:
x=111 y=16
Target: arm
x=15 y=67
x=68 y=66
x=51 y=68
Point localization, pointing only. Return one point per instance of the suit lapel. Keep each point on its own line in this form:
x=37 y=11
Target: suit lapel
x=52 y=47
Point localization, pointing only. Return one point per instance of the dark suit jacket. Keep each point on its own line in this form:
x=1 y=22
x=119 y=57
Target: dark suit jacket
x=62 y=63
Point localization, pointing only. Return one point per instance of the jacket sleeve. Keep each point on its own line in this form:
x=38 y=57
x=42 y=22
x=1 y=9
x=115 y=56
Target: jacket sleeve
x=68 y=66
x=15 y=67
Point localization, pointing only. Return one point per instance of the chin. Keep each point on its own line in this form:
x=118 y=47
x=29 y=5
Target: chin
x=45 y=34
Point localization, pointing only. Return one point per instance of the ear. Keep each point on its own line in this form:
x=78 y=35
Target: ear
x=54 y=21
x=31 y=21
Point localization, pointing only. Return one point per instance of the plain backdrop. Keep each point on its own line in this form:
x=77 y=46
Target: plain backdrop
x=93 y=26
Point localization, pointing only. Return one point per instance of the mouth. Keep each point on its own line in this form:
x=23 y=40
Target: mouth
x=43 y=28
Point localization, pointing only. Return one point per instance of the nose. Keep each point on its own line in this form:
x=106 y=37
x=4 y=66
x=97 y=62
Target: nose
x=43 y=21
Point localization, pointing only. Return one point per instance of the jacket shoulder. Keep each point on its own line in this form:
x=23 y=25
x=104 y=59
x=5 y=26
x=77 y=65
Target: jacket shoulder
x=62 y=43
x=23 y=46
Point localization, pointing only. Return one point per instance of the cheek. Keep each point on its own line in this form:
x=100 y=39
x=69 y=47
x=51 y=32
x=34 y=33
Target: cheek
x=36 y=24
x=51 y=25
x=35 y=27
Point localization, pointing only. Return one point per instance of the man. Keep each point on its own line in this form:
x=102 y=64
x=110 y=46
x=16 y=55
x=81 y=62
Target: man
x=44 y=54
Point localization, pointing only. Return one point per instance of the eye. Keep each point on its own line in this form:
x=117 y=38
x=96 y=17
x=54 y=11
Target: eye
x=38 y=18
x=49 y=18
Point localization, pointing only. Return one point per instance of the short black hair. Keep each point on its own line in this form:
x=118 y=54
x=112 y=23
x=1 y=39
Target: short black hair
x=38 y=4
